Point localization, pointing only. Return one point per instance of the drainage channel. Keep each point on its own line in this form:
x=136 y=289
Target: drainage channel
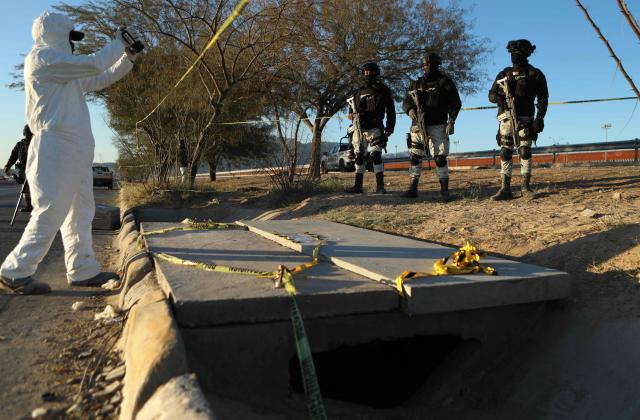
x=371 y=348
x=362 y=373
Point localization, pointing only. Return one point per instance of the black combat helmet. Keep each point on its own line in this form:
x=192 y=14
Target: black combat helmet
x=26 y=132
x=433 y=59
x=523 y=46
x=370 y=65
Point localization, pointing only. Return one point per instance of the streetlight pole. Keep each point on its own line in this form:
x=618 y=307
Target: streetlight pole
x=606 y=128
x=455 y=144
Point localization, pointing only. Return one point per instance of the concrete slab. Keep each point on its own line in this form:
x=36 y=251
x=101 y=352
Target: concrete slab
x=203 y=298
x=380 y=256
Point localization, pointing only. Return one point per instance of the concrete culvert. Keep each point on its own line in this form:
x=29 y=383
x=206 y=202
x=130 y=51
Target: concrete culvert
x=379 y=374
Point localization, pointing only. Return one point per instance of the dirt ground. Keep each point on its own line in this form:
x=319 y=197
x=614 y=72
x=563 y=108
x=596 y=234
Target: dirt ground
x=50 y=355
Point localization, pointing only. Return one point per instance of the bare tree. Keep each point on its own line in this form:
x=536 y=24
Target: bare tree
x=189 y=25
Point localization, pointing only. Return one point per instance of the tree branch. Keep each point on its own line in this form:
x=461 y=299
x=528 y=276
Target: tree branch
x=613 y=54
x=627 y=14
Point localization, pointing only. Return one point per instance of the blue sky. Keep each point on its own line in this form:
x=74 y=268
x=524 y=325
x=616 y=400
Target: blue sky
x=574 y=59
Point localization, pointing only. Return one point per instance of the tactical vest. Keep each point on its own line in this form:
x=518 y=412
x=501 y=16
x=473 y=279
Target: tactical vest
x=431 y=94
x=370 y=103
x=522 y=85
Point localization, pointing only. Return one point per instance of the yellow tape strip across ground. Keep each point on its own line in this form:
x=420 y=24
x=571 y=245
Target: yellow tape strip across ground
x=194 y=225
x=312 y=392
x=303 y=349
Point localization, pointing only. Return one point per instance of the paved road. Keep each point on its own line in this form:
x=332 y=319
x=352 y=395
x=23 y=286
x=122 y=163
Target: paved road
x=34 y=330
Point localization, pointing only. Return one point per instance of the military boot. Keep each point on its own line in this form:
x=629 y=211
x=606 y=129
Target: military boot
x=504 y=193
x=412 y=192
x=526 y=190
x=444 y=190
x=380 y=183
x=357 y=187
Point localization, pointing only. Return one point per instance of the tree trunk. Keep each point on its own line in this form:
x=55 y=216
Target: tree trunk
x=293 y=156
x=316 y=148
x=213 y=165
x=193 y=173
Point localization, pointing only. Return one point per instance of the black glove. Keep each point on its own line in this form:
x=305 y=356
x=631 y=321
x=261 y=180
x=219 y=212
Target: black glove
x=502 y=103
x=538 y=125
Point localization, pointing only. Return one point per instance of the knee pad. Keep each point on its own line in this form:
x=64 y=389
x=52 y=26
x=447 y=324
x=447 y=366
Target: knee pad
x=377 y=158
x=359 y=159
x=416 y=160
x=506 y=154
x=441 y=161
x=524 y=152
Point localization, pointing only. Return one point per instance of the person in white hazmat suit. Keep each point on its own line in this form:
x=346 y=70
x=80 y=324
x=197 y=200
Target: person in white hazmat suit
x=61 y=152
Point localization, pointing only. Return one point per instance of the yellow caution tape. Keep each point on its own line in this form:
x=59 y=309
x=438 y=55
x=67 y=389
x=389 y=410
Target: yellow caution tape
x=469 y=108
x=581 y=101
x=464 y=261
x=212 y=267
x=234 y=14
x=195 y=225
x=303 y=349
x=282 y=276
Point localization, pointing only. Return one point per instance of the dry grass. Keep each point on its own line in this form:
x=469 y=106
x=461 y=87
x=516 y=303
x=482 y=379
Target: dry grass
x=249 y=189
x=173 y=196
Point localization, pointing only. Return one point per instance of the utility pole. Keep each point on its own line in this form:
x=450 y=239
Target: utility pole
x=606 y=128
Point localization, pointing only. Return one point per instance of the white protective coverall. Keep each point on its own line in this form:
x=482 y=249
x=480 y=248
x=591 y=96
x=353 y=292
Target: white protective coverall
x=61 y=152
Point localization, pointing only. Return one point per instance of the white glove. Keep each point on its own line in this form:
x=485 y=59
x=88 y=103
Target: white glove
x=131 y=55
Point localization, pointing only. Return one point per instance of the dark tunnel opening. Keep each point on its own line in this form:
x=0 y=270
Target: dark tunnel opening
x=380 y=374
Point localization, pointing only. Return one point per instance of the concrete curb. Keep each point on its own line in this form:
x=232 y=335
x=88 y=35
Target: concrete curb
x=154 y=352
x=180 y=398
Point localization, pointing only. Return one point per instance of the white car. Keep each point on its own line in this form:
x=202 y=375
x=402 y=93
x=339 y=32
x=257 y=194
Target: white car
x=102 y=176
x=338 y=158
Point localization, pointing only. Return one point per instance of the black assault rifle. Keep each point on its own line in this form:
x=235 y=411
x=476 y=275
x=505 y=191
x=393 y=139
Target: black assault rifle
x=420 y=122
x=511 y=108
x=356 y=122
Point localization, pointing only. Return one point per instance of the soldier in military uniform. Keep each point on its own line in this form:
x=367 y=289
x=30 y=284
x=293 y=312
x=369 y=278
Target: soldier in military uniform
x=433 y=103
x=367 y=109
x=19 y=158
x=524 y=83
